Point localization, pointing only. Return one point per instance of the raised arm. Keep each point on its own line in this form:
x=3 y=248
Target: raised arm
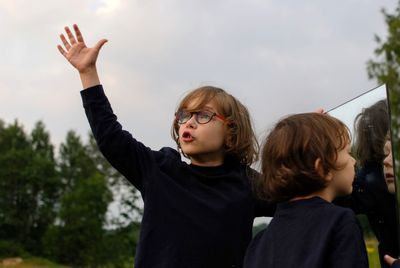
x=80 y=56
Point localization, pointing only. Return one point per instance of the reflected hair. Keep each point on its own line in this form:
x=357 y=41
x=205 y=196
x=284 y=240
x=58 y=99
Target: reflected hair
x=240 y=141
x=290 y=151
x=371 y=128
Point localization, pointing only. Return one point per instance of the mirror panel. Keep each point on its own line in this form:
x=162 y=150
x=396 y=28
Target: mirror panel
x=348 y=111
x=367 y=118
x=393 y=94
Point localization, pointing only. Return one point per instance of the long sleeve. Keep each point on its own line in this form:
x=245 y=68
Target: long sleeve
x=130 y=157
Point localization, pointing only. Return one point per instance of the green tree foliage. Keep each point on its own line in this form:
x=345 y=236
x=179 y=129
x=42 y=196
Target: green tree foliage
x=79 y=234
x=48 y=185
x=15 y=153
x=57 y=206
x=128 y=196
x=385 y=68
x=123 y=241
x=78 y=239
x=75 y=163
x=28 y=184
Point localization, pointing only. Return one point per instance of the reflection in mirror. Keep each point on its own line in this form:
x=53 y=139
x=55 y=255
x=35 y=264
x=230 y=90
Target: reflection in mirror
x=373 y=195
x=392 y=163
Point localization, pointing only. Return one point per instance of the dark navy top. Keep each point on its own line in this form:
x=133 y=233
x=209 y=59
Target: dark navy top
x=309 y=233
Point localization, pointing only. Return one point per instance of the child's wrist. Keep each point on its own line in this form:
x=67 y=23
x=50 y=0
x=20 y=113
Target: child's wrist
x=88 y=71
x=89 y=78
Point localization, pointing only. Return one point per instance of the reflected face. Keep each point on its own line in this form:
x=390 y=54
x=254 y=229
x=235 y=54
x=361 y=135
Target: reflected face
x=343 y=178
x=388 y=167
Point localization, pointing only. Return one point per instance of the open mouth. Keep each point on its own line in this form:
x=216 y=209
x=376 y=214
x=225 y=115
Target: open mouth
x=389 y=177
x=187 y=137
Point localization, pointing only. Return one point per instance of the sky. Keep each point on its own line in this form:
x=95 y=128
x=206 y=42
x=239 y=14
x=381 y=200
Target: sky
x=348 y=112
x=277 y=57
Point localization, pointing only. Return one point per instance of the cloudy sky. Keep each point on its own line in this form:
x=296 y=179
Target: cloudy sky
x=277 y=56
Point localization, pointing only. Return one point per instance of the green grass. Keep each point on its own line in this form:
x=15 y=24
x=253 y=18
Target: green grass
x=35 y=263
x=372 y=250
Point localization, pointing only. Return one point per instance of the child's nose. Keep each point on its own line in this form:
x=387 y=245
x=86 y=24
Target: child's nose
x=191 y=122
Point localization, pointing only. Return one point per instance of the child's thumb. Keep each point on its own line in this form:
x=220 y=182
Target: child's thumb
x=100 y=44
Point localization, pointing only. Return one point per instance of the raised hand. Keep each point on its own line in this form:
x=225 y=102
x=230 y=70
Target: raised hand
x=77 y=53
x=83 y=58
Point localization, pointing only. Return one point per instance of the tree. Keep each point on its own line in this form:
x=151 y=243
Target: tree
x=58 y=207
x=43 y=173
x=15 y=202
x=386 y=69
x=27 y=185
x=126 y=195
x=78 y=237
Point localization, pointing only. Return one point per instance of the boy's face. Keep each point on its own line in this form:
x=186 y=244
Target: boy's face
x=342 y=179
x=388 y=167
x=203 y=143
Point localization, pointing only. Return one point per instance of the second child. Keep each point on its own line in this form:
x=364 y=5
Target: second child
x=306 y=163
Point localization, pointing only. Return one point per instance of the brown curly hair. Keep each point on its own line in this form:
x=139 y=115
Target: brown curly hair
x=371 y=128
x=290 y=152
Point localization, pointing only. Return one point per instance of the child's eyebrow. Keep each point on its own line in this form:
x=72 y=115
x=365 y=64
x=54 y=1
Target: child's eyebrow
x=199 y=109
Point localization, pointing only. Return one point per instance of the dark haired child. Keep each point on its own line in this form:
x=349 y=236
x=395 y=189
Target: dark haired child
x=306 y=163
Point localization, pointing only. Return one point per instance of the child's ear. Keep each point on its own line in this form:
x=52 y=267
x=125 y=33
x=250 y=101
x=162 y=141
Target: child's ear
x=320 y=169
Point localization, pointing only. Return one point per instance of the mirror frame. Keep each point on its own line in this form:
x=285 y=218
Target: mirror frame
x=393 y=109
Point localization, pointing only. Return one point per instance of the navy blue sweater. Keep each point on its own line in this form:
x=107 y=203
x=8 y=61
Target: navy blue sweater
x=309 y=233
x=193 y=216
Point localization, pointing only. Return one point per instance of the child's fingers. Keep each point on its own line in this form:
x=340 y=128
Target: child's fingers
x=65 y=42
x=62 y=51
x=78 y=34
x=71 y=37
x=319 y=110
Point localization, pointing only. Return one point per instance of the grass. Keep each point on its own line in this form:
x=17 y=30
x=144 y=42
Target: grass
x=35 y=263
x=372 y=250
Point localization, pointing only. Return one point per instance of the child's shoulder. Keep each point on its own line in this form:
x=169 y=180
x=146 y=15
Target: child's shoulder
x=341 y=214
x=168 y=154
x=328 y=209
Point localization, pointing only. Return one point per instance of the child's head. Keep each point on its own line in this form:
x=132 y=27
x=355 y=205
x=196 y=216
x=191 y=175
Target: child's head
x=371 y=128
x=238 y=138
x=300 y=155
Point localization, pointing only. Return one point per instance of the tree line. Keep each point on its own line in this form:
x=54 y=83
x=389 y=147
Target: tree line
x=55 y=205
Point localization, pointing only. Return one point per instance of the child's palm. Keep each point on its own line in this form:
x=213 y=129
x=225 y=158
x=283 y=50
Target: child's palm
x=76 y=51
x=82 y=57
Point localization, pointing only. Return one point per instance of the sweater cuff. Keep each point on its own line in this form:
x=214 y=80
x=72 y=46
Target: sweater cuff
x=93 y=92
